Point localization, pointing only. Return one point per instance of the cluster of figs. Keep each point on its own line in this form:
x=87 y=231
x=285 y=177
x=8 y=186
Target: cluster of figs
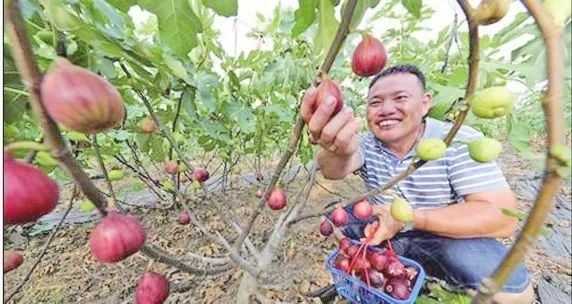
x=82 y=101
x=378 y=269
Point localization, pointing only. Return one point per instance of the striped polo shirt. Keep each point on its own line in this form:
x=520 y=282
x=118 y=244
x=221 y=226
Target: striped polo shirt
x=437 y=183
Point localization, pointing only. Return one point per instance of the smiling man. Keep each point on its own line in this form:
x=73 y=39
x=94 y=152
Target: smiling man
x=457 y=202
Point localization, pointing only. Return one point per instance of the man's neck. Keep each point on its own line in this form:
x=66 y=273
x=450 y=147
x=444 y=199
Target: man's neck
x=402 y=148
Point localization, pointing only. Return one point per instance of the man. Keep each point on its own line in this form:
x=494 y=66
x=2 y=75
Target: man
x=457 y=202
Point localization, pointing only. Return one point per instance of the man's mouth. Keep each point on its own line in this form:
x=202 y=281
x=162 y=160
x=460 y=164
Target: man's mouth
x=388 y=123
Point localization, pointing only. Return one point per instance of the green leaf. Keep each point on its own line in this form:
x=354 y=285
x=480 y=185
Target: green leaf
x=359 y=11
x=523 y=217
x=327 y=26
x=122 y=5
x=188 y=102
x=304 y=16
x=225 y=8
x=178 y=24
x=413 y=6
x=519 y=135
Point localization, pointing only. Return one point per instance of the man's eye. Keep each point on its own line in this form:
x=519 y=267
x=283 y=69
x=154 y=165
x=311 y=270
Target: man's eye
x=401 y=97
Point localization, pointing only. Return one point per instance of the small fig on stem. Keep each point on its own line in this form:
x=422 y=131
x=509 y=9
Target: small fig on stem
x=116 y=237
x=492 y=102
x=171 y=167
x=325 y=88
x=277 y=199
x=484 y=150
x=401 y=210
x=431 y=149
x=363 y=210
x=153 y=288
x=339 y=217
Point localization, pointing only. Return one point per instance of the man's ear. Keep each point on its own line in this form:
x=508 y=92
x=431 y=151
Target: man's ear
x=427 y=101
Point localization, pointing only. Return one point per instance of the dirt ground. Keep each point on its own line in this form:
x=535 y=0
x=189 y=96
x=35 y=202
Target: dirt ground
x=68 y=274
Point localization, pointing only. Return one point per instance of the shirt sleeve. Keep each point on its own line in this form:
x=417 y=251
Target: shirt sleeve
x=468 y=176
x=362 y=171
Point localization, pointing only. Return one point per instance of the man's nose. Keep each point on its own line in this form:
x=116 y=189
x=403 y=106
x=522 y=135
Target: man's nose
x=386 y=108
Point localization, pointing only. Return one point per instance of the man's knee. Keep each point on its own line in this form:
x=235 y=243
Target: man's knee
x=525 y=297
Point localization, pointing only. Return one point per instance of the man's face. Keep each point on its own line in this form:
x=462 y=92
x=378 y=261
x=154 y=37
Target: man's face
x=396 y=105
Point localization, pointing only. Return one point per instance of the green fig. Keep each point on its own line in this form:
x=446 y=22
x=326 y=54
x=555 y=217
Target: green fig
x=45 y=159
x=484 y=150
x=401 y=210
x=115 y=175
x=492 y=102
x=559 y=10
x=431 y=149
x=562 y=153
x=86 y=206
x=196 y=185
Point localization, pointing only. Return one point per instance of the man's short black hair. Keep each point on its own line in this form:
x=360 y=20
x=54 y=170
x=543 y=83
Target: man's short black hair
x=402 y=68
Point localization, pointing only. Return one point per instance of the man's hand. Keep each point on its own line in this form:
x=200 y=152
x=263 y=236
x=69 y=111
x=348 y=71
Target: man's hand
x=385 y=229
x=338 y=134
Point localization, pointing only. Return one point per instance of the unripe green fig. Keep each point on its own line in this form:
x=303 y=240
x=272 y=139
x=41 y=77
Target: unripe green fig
x=431 y=149
x=559 y=10
x=401 y=210
x=562 y=153
x=86 y=206
x=491 y=11
x=115 y=175
x=484 y=150
x=492 y=102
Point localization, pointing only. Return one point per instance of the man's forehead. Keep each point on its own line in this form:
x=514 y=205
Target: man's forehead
x=395 y=83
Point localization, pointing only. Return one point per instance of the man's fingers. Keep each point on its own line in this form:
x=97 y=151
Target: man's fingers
x=308 y=102
x=349 y=135
x=333 y=127
x=321 y=116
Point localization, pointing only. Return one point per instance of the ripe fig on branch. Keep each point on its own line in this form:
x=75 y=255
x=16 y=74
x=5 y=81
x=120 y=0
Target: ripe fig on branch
x=28 y=192
x=79 y=99
x=171 y=167
x=369 y=57
x=431 y=149
x=484 y=150
x=152 y=288
x=339 y=217
x=326 y=228
x=492 y=102
x=277 y=199
x=116 y=237
x=201 y=175
x=363 y=209
x=184 y=218
x=147 y=125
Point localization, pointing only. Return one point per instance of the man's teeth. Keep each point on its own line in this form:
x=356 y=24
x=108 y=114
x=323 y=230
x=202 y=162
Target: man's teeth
x=388 y=122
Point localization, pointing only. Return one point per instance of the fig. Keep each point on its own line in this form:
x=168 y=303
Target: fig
x=352 y=250
x=152 y=288
x=116 y=237
x=431 y=149
x=196 y=185
x=397 y=288
x=491 y=11
x=12 y=260
x=277 y=199
x=28 y=192
x=326 y=228
x=559 y=10
x=184 y=218
x=115 y=175
x=361 y=264
x=201 y=175
x=363 y=210
x=79 y=99
x=379 y=261
x=369 y=57
x=492 y=102
x=86 y=206
x=376 y=278
x=171 y=167
x=325 y=88
x=484 y=150
x=339 y=217
x=147 y=125
x=562 y=153
x=411 y=273
x=344 y=244
x=401 y=210
x=395 y=269
x=183 y=167
x=259 y=193
x=342 y=263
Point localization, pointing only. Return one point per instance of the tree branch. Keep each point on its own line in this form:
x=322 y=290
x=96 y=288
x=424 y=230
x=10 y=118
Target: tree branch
x=298 y=127
x=553 y=108
x=31 y=77
x=113 y=203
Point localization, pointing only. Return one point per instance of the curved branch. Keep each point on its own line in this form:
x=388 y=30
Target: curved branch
x=299 y=126
x=163 y=257
x=553 y=108
x=32 y=78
